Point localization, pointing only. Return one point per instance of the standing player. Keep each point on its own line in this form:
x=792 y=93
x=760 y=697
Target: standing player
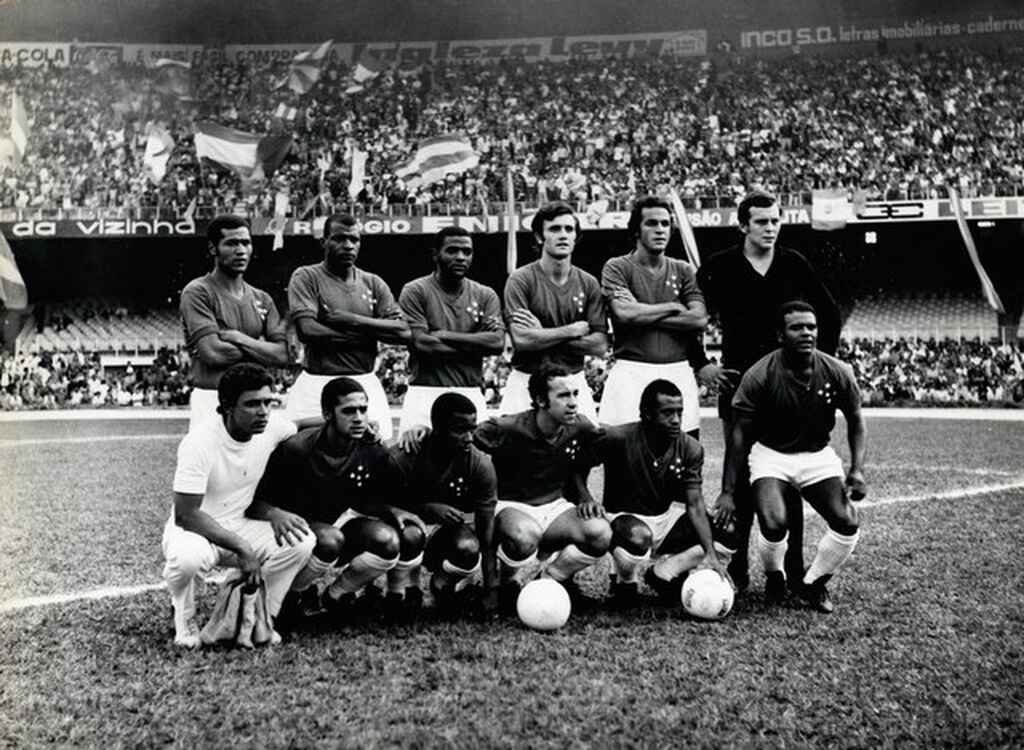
x=744 y=287
x=451 y=485
x=652 y=496
x=340 y=313
x=554 y=310
x=220 y=463
x=784 y=412
x=539 y=456
x=657 y=310
x=455 y=322
x=341 y=479
x=226 y=320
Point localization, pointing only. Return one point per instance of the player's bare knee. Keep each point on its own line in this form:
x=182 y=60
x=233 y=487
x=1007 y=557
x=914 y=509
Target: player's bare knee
x=381 y=539
x=597 y=536
x=845 y=522
x=412 y=540
x=632 y=535
x=329 y=543
x=465 y=549
x=519 y=540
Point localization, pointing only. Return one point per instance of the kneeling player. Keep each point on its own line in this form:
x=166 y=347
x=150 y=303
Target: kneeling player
x=539 y=457
x=652 y=495
x=451 y=485
x=341 y=478
x=786 y=410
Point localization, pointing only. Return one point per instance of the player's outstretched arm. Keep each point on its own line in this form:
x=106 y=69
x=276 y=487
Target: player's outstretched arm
x=856 y=434
x=189 y=516
x=698 y=515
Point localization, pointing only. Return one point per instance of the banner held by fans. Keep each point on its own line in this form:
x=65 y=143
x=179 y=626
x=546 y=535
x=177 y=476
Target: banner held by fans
x=437 y=157
x=987 y=287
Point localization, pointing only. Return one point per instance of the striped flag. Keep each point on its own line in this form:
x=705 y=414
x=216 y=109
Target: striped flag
x=987 y=287
x=252 y=157
x=159 y=146
x=13 y=293
x=685 y=230
x=19 y=128
x=511 y=245
x=437 y=157
x=830 y=209
x=367 y=67
x=305 y=68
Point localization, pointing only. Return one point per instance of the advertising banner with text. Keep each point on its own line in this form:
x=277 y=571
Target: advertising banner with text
x=33 y=54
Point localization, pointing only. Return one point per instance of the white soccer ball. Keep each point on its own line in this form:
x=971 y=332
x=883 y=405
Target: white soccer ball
x=544 y=604
x=707 y=595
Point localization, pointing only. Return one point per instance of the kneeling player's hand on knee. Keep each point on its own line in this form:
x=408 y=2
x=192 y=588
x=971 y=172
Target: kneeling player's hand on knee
x=405 y=518
x=590 y=509
x=855 y=484
x=289 y=528
x=410 y=440
x=442 y=513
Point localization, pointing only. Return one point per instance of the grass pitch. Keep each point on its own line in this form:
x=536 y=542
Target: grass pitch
x=925 y=648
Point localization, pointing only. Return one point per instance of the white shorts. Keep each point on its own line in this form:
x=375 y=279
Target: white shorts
x=544 y=514
x=202 y=405
x=419 y=399
x=304 y=399
x=659 y=525
x=516 y=395
x=347 y=516
x=799 y=469
x=620 y=402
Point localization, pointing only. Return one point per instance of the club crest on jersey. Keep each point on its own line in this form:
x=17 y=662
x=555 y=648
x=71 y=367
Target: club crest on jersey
x=368 y=298
x=827 y=392
x=359 y=476
x=474 y=311
x=673 y=282
x=572 y=448
x=261 y=310
x=457 y=487
x=579 y=300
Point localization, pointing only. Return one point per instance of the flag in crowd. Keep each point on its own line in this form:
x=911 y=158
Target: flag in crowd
x=511 y=246
x=685 y=230
x=252 y=157
x=305 y=68
x=367 y=67
x=987 y=287
x=174 y=77
x=13 y=293
x=437 y=157
x=284 y=112
x=358 y=179
x=830 y=209
x=159 y=146
x=19 y=127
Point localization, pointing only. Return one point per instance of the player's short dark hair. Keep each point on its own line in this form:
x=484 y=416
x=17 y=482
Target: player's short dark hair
x=754 y=199
x=549 y=212
x=649 y=398
x=347 y=221
x=335 y=390
x=636 y=215
x=794 y=305
x=215 y=229
x=239 y=378
x=446 y=406
x=537 y=386
x=447 y=232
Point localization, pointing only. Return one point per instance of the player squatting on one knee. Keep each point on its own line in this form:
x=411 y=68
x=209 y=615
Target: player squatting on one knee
x=785 y=412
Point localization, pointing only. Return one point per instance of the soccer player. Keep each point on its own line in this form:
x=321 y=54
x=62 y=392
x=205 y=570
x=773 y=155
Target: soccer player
x=652 y=496
x=455 y=322
x=744 y=286
x=340 y=313
x=784 y=413
x=451 y=485
x=657 y=310
x=554 y=311
x=220 y=462
x=342 y=480
x=540 y=457
x=226 y=320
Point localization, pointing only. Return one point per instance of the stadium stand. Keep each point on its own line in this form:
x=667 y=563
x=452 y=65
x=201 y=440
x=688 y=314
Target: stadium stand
x=934 y=315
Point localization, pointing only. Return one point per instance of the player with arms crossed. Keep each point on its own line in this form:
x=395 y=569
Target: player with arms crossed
x=539 y=456
x=652 y=496
x=451 y=485
x=657 y=311
x=554 y=311
x=219 y=465
x=341 y=479
x=455 y=322
x=340 y=313
x=784 y=412
x=226 y=320
x=744 y=287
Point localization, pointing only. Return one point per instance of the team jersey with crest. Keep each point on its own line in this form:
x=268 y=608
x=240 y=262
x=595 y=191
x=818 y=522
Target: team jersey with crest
x=792 y=416
x=467 y=482
x=314 y=291
x=428 y=307
x=532 y=468
x=675 y=281
x=206 y=308
x=307 y=477
x=638 y=481
x=554 y=306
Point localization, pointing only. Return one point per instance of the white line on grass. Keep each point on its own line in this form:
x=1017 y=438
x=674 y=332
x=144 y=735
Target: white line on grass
x=91 y=439
x=946 y=495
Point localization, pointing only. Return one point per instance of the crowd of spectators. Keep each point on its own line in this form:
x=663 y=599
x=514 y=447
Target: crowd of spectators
x=587 y=130
x=901 y=372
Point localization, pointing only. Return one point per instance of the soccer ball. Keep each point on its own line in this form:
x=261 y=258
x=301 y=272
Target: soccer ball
x=707 y=595
x=543 y=604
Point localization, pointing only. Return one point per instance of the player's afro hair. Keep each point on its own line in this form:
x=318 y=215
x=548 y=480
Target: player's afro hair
x=649 y=398
x=239 y=378
x=446 y=406
x=335 y=390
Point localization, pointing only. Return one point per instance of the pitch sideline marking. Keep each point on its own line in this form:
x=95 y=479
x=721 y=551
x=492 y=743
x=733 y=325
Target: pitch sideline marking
x=92 y=439
x=107 y=592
